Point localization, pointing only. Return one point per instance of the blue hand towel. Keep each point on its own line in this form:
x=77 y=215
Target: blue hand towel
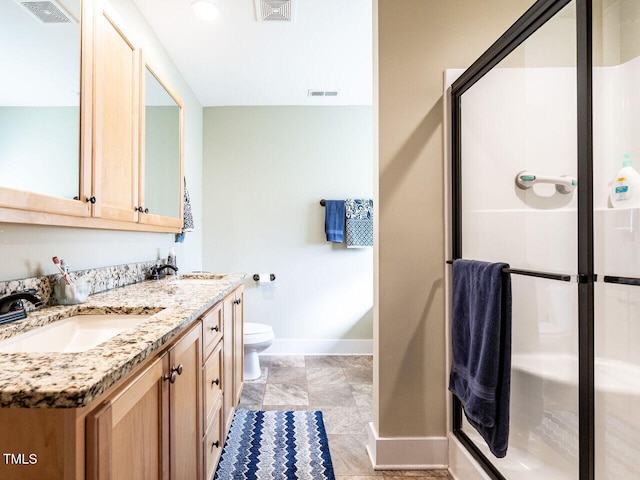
x=481 y=337
x=334 y=220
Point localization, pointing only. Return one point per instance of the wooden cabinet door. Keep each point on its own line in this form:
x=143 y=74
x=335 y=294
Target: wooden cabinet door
x=238 y=345
x=212 y=442
x=117 y=80
x=233 y=352
x=185 y=360
x=227 y=361
x=212 y=384
x=127 y=435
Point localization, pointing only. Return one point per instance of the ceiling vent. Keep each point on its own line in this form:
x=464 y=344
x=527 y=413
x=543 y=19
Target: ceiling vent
x=47 y=12
x=322 y=93
x=275 y=10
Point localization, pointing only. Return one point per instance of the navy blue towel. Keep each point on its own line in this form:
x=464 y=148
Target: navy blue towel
x=334 y=220
x=481 y=336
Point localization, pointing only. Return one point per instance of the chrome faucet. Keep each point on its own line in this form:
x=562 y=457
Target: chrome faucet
x=12 y=306
x=157 y=271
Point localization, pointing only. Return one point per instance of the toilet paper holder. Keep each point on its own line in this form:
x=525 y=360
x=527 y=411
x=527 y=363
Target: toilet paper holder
x=256 y=277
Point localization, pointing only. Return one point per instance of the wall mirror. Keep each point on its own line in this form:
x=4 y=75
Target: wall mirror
x=161 y=147
x=40 y=97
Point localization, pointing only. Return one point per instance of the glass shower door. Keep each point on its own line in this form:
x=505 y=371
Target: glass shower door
x=616 y=136
x=519 y=121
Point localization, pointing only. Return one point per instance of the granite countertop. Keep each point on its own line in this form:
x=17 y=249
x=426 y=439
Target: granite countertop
x=71 y=380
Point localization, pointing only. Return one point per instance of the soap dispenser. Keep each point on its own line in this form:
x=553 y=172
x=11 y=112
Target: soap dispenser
x=171 y=260
x=625 y=190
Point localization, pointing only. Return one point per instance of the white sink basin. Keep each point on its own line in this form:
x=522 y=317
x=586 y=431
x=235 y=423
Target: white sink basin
x=200 y=280
x=73 y=334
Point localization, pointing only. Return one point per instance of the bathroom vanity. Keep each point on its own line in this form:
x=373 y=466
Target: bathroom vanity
x=153 y=401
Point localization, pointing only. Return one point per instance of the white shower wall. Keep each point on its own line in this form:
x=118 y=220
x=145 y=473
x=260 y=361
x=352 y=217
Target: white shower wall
x=617 y=307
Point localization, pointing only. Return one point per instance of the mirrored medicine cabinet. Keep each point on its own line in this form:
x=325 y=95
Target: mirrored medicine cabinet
x=41 y=137
x=62 y=137
x=161 y=163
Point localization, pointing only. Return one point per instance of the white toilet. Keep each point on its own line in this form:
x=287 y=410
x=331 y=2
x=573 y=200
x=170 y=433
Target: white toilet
x=257 y=338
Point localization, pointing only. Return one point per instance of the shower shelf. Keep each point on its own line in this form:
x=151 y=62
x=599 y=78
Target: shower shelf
x=564 y=183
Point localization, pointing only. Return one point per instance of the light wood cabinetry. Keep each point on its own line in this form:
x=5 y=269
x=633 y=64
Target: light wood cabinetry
x=151 y=428
x=166 y=420
x=185 y=407
x=213 y=441
x=212 y=328
x=212 y=386
x=52 y=435
x=233 y=362
x=116 y=96
x=128 y=436
x=111 y=191
x=214 y=432
x=224 y=354
x=161 y=149
x=238 y=345
x=23 y=206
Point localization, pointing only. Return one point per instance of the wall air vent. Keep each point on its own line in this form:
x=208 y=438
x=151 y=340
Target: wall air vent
x=47 y=12
x=275 y=10
x=322 y=93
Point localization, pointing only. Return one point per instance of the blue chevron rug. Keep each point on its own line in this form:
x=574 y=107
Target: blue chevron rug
x=276 y=446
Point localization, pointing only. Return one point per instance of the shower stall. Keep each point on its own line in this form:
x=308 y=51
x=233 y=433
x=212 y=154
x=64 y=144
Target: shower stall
x=540 y=125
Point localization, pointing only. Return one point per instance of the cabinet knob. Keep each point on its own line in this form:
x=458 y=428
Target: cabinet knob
x=172 y=377
x=146 y=210
x=238 y=301
x=175 y=371
x=215 y=382
x=90 y=199
x=215 y=328
x=215 y=444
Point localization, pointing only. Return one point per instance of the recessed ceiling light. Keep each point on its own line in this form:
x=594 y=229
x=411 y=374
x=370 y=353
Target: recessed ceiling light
x=206 y=10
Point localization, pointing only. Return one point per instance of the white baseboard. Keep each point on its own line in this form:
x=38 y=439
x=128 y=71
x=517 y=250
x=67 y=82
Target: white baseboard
x=310 y=346
x=462 y=465
x=407 y=453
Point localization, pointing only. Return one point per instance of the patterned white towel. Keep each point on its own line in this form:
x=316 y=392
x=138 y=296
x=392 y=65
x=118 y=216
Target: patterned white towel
x=359 y=222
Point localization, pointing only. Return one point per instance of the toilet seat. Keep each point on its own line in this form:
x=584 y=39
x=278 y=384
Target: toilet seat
x=255 y=333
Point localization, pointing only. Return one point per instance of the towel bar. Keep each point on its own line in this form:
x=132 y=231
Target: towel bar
x=564 y=183
x=622 y=280
x=323 y=202
x=533 y=273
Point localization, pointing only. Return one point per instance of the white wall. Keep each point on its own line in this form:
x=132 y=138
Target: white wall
x=26 y=250
x=265 y=171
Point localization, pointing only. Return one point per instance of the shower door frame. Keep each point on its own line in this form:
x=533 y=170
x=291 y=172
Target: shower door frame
x=518 y=33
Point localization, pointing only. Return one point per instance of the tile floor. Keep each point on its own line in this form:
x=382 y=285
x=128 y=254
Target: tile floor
x=339 y=386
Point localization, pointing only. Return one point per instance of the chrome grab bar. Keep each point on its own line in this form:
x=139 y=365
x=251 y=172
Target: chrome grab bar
x=564 y=183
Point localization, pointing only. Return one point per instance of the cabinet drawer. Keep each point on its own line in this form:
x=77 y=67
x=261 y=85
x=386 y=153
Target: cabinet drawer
x=212 y=381
x=212 y=329
x=213 y=441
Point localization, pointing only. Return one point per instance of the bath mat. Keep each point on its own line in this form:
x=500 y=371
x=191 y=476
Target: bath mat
x=276 y=446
